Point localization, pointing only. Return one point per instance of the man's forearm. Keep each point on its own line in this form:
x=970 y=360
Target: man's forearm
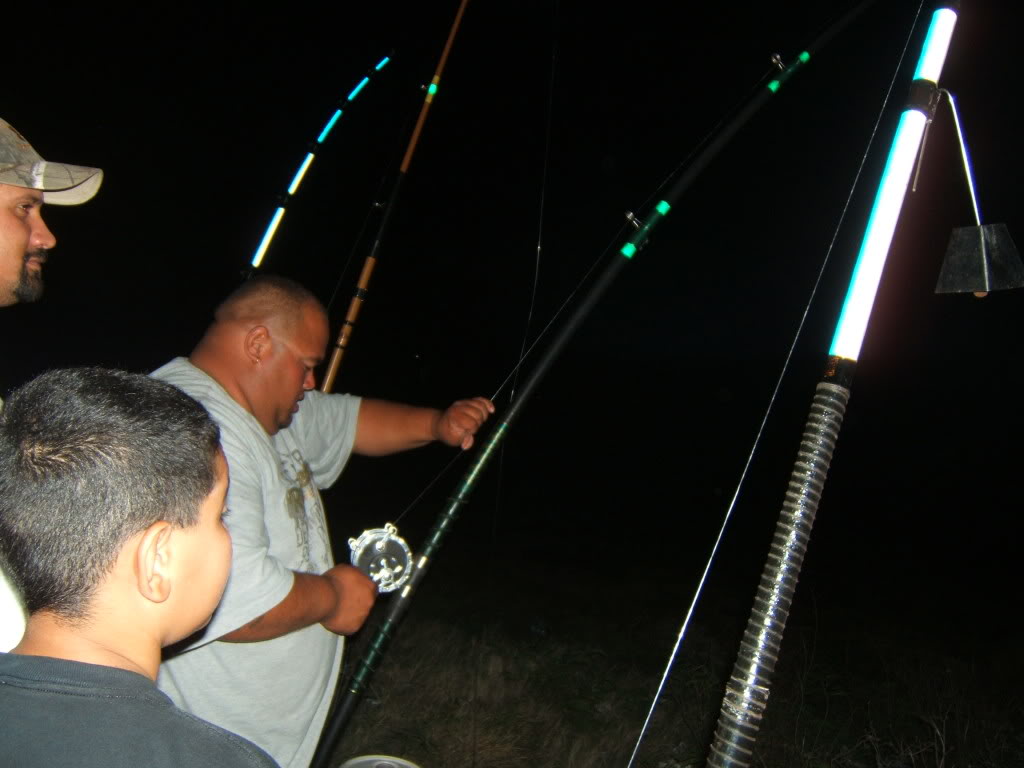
x=310 y=601
x=386 y=427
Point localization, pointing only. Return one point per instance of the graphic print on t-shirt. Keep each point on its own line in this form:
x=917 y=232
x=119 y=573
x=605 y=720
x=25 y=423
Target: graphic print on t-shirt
x=305 y=510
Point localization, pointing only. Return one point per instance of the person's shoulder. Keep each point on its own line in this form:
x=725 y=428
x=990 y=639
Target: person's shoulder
x=214 y=746
x=229 y=415
x=315 y=402
x=113 y=716
x=185 y=376
x=322 y=416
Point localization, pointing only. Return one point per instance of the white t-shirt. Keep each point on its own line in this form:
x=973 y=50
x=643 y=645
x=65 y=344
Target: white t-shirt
x=275 y=693
x=12 y=613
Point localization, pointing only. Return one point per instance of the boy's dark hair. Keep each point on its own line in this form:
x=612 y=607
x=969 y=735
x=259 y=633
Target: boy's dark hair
x=88 y=458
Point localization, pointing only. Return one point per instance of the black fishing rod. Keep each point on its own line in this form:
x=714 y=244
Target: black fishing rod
x=485 y=452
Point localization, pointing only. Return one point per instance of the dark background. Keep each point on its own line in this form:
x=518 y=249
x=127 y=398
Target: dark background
x=554 y=119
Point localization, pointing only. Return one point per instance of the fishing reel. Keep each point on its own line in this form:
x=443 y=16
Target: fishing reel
x=384 y=556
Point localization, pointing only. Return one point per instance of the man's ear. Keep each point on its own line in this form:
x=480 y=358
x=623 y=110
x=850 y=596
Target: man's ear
x=153 y=561
x=257 y=344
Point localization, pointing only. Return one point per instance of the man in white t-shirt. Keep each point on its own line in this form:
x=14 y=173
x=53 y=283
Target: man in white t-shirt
x=266 y=666
x=26 y=182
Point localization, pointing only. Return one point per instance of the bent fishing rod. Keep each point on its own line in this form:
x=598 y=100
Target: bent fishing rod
x=300 y=174
x=399 y=603
x=362 y=287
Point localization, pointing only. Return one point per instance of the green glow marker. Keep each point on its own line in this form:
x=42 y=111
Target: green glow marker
x=628 y=250
x=663 y=208
x=432 y=89
x=775 y=84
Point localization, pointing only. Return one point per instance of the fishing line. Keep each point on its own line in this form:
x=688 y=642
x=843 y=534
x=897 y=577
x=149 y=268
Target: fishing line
x=500 y=472
x=703 y=146
x=431 y=484
x=545 y=167
x=964 y=156
x=541 y=207
x=617 y=237
x=356 y=241
x=557 y=314
x=398 y=605
x=774 y=395
x=524 y=353
x=486 y=450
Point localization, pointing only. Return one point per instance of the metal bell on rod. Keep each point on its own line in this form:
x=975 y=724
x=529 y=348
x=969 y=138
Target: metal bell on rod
x=982 y=258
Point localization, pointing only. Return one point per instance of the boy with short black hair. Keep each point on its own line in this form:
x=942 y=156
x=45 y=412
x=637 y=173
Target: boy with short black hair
x=112 y=489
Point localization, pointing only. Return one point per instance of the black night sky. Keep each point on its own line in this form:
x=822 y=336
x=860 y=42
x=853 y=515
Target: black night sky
x=553 y=120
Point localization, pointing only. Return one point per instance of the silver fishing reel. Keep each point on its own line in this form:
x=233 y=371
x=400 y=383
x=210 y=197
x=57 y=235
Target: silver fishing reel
x=384 y=556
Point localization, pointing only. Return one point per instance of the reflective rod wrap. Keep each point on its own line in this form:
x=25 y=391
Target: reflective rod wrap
x=746 y=694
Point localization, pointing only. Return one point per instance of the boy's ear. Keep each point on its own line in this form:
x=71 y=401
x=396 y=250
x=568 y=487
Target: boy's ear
x=153 y=559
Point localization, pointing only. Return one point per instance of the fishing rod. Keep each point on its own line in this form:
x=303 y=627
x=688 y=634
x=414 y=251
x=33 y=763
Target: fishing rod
x=747 y=691
x=399 y=603
x=380 y=552
x=300 y=174
x=362 y=287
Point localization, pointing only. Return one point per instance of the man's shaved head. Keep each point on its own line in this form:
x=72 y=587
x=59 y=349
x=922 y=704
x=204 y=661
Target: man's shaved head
x=264 y=299
x=264 y=345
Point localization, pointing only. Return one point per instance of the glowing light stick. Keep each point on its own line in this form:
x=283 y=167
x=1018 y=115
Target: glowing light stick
x=853 y=320
x=300 y=174
x=749 y=685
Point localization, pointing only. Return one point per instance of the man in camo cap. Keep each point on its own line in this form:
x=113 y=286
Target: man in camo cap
x=26 y=182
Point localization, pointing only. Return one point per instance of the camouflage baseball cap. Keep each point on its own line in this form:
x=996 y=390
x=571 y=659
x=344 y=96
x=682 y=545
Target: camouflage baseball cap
x=21 y=166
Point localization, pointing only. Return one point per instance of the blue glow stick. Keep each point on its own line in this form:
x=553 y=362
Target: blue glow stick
x=275 y=220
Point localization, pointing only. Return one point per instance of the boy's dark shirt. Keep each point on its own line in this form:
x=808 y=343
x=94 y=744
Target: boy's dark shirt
x=59 y=712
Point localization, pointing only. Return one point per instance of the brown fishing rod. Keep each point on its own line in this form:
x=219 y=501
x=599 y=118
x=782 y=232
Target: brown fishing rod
x=329 y=736
x=362 y=287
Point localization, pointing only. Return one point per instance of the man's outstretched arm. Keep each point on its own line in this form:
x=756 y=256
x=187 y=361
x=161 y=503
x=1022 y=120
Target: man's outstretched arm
x=385 y=427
